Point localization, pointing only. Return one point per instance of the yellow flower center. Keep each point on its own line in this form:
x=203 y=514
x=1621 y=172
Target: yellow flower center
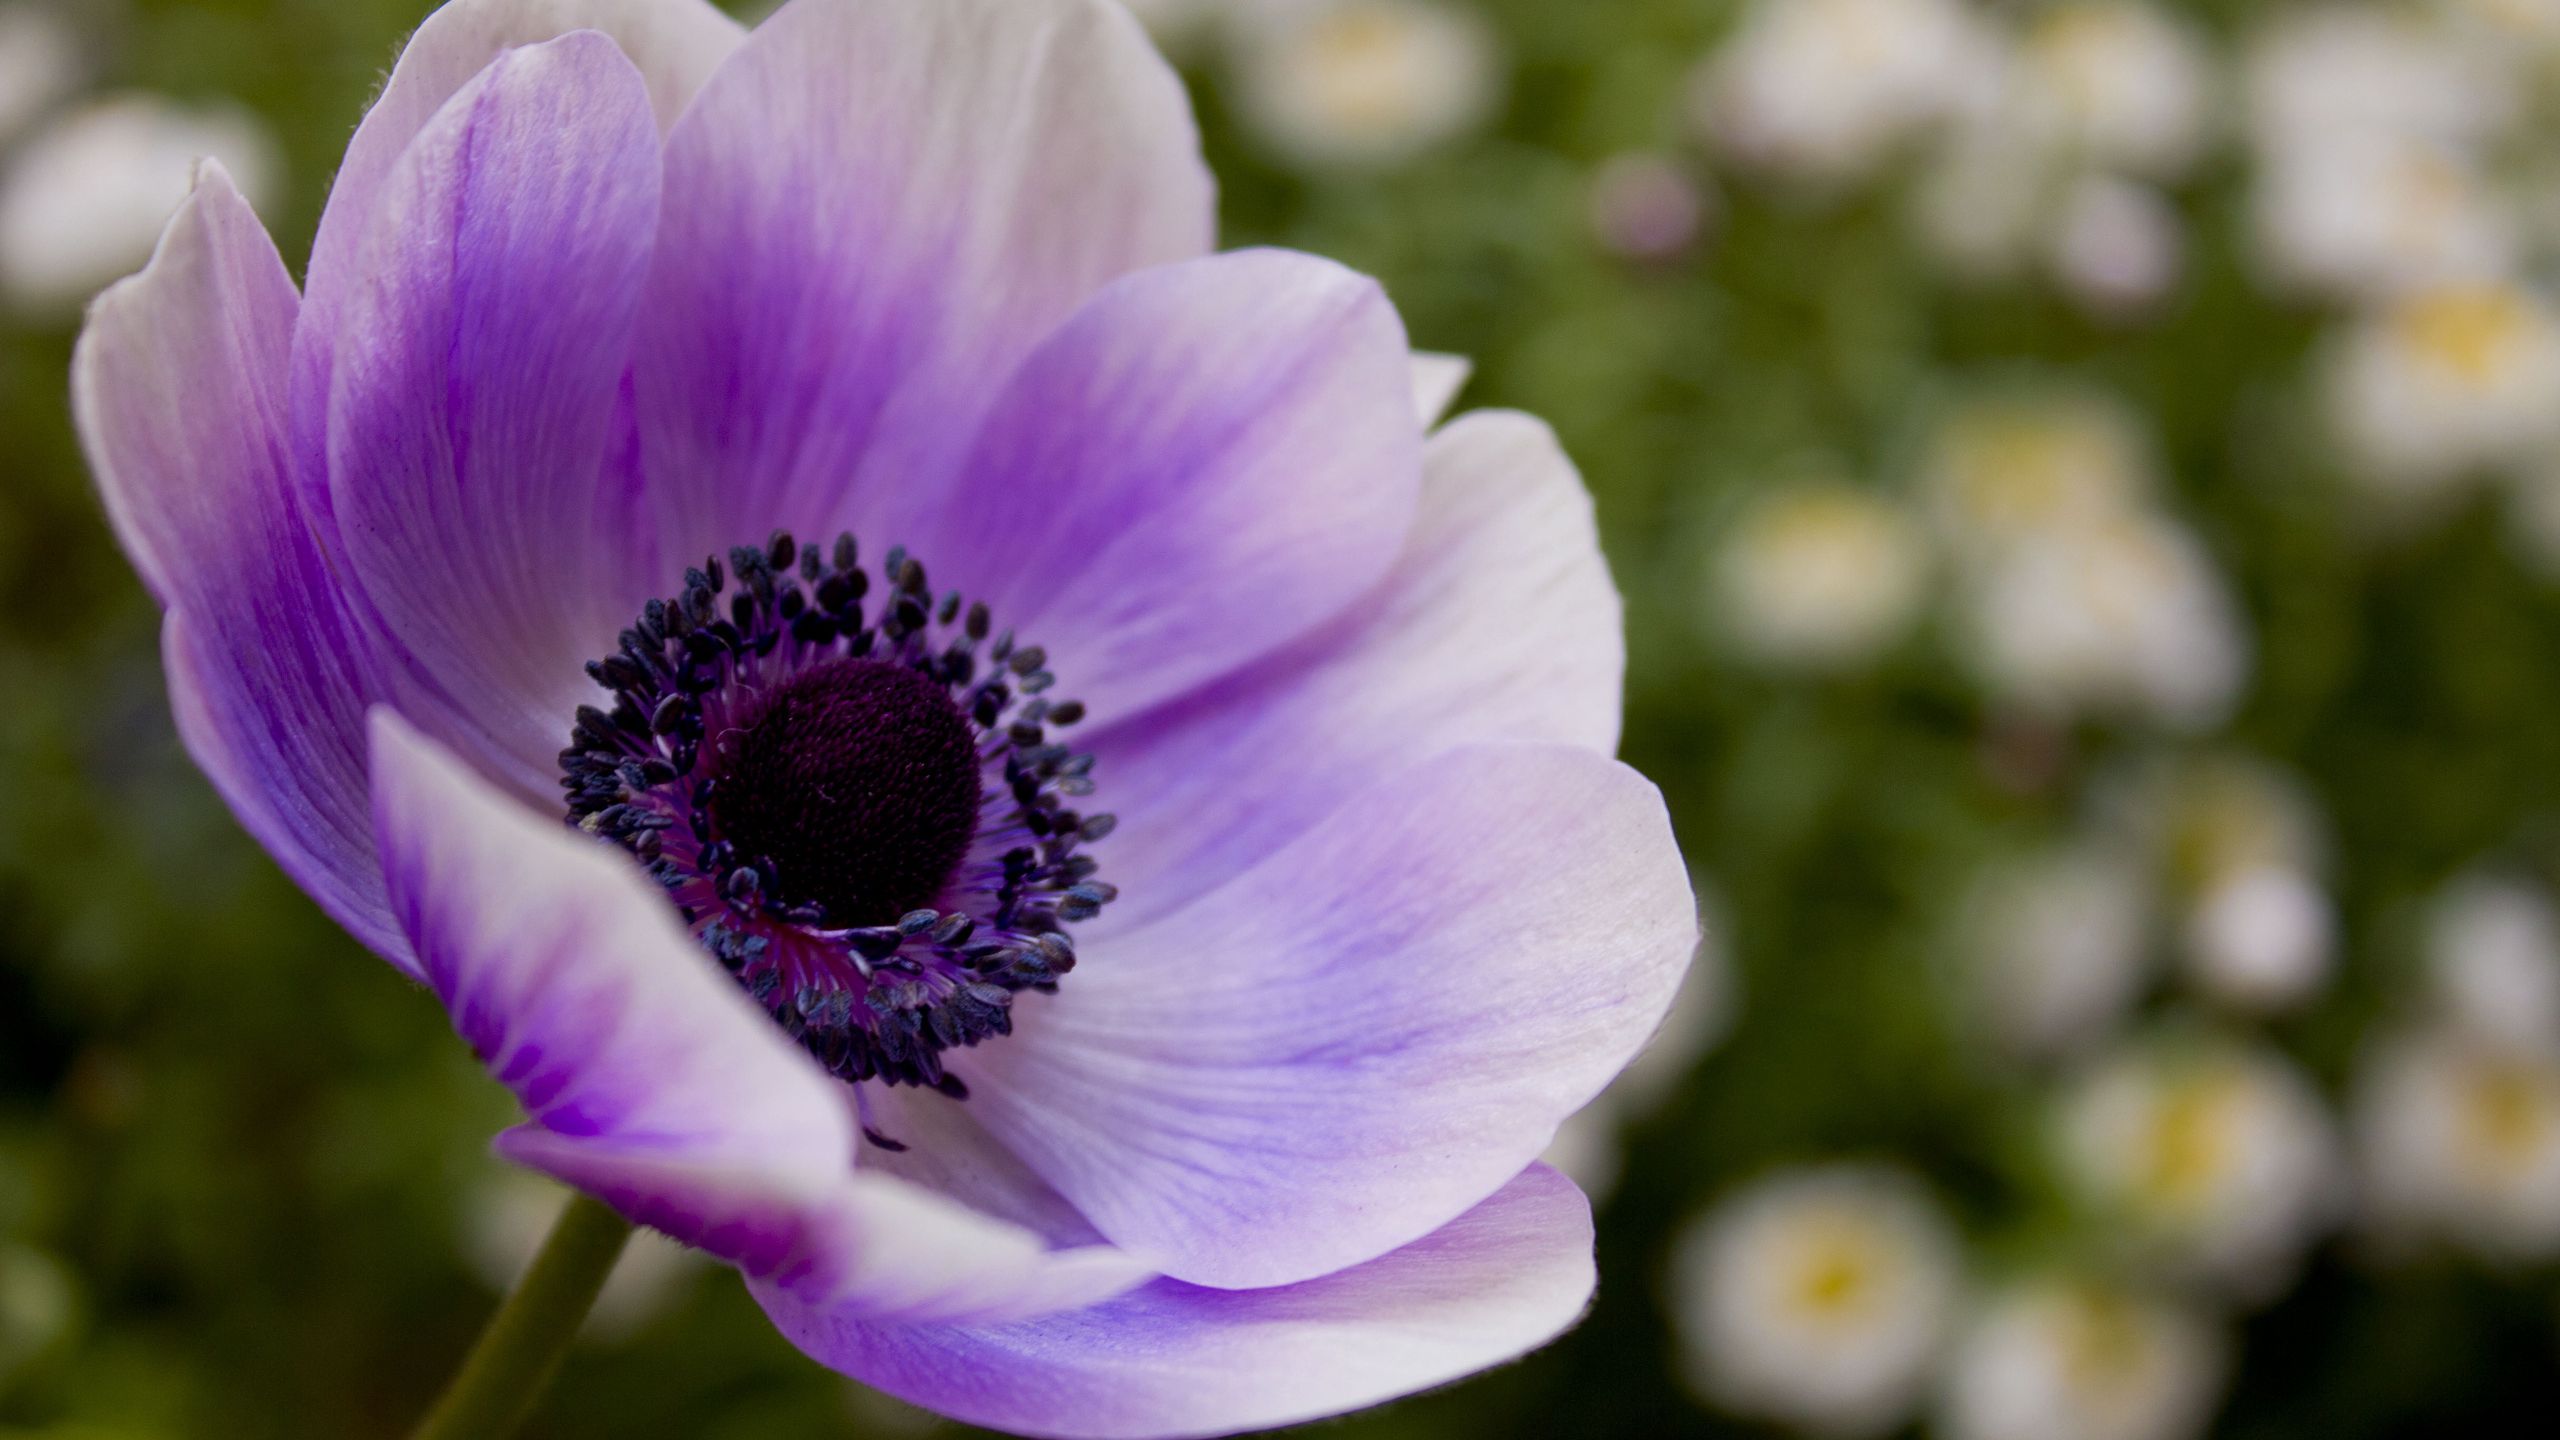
x=2506 y=1121
x=1829 y=527
x=2226 y=822
x=2189 y=1142
x=2082 y=49
x=2022 y=473
x=2473 y=333
x=1836 y=1272
x=2103 y=1343
x=1361 y=55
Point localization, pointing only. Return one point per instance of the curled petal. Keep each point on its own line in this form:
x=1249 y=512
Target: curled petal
x=569 y=976
x=652 y=1082
x=863 y=1244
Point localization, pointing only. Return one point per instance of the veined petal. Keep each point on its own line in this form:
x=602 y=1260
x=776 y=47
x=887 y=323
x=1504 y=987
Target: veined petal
x=179 y=390
x=874 y=211
x=1208 y=460
x=676 y=44
x=654 y=1084
x=570 y=977
x=1173 y=1360
x=470 y=412
x=1354 y=1042
x=1498 y=622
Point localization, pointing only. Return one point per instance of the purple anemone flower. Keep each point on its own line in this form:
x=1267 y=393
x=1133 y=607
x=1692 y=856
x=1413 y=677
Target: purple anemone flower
x=1092 y=863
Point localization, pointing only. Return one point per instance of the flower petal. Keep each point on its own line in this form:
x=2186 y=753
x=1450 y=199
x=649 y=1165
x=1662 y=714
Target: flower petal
x=178 y=386
x=862 y=1244
x=675 y=43
x=1174 y=1360
x=1437 y=379
x=949 y=1152
x=1498 y=622
x=1346 y=1047
x=874 y=211
x=566 y=971
x=654 y=1084
x=1209 y=459
x=470 y=412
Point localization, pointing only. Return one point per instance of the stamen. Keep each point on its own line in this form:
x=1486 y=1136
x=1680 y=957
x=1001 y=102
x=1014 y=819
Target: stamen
x=863 y=816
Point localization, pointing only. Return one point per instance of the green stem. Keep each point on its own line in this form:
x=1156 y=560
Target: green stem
x=509 y=1368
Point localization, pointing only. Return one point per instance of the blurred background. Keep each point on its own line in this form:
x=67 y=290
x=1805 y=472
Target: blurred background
x=2086 y=482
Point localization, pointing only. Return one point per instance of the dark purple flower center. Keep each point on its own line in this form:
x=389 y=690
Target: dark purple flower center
x=859 y=810
x=860 y=779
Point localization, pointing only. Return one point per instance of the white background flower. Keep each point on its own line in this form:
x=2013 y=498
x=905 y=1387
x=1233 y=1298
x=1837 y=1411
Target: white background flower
x=1817 y=1297
x=2061 y=1360
x=2213 y=1160
x=84 y=197
x=1819 y=575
